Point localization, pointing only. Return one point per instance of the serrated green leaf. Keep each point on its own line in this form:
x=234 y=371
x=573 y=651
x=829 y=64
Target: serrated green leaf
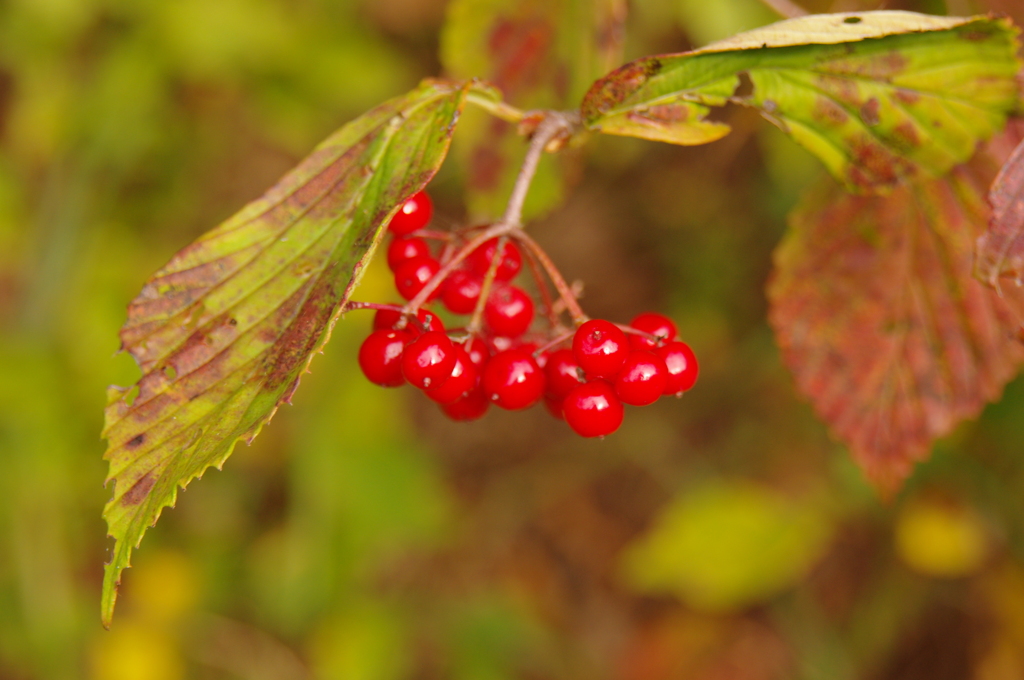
x=223 y=332
x=876 y=96
x=542 y=54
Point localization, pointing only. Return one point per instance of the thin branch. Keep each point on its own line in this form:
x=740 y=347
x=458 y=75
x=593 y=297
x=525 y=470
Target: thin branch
x=499 y=109
x=476 y=321
x=450 y=266
x=545 y=294
x=786 y=8
x=553 y=124
x=564 y=291
x=554 y=343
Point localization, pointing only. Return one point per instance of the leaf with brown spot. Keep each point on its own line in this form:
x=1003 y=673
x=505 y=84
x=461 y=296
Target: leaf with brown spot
x=877 y=96
x=880 y=320
x=542 y=54
x=223 y=332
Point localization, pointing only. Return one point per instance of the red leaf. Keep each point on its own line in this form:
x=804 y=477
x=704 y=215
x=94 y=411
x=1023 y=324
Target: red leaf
x=881 y=322
x=1001 y=248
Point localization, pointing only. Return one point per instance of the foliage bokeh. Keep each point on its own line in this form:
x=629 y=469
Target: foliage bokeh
x=723 y=535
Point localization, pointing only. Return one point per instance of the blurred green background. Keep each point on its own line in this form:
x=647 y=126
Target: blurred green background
x=723 y=536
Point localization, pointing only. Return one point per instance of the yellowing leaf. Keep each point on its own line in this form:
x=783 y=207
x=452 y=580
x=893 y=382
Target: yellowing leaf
x=832 y=29
x=224 y=331
x=876 y=96
x=940 y=539
x=881 y=322
x=721 y=547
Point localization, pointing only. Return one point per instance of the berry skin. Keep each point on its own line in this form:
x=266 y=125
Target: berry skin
x=464 y=377
x=592 y=409
x=380 y=357
x=461 y=291
x=428 y=360
x=513 y=380
x=563 y=373
x=554 y=406
x=655 y=324
x=404 y=248
x=499 y=343
x=642 y=380
x=509 y=311
x=600 y=348
x=469 y=407
x=478 y=351
x=388 y=319
x=412 y=275
x=414 y=214
x=511 y=260
x=541 y=359
x=681 y=364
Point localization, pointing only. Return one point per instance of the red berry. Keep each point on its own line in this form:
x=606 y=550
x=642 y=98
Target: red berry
x=655 y=324
x=412 y=275
x=513 y=380
x=469 y=407
x=509 y=311
x=463 y=378
x=600 y=348
x=642 y=380
x=511 y=260
x=428 y=320
x=499 y=343
x=681 y=364
x=428 y=360
x=404 y=248
x=563 y=373
x=380 y=357
x=388 y=319
x=541 y=359
x=592 y=409
x=461 y=291
x=554 y=406
x=414 y=214
x=478 y=351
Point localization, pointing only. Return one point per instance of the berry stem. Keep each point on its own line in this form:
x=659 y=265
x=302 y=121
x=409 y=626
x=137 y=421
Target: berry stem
x=553 y=124
x=635 y=331
x=498 y=109
x=563 y=288
x=554 y=343
x=433 y=234
x=353 y=305
x=485 y=288
x=545 y=294
x=450 y=266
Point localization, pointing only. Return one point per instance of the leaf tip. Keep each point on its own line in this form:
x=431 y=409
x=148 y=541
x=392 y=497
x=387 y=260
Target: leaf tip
x=111 y=583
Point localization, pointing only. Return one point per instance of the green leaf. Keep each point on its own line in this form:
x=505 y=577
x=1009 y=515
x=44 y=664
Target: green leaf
x=724 y=546
x=876 y=96
x=542 y=54
x=223 y=332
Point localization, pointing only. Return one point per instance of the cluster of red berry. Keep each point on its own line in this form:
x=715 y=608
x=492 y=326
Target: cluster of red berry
x=495 y=360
